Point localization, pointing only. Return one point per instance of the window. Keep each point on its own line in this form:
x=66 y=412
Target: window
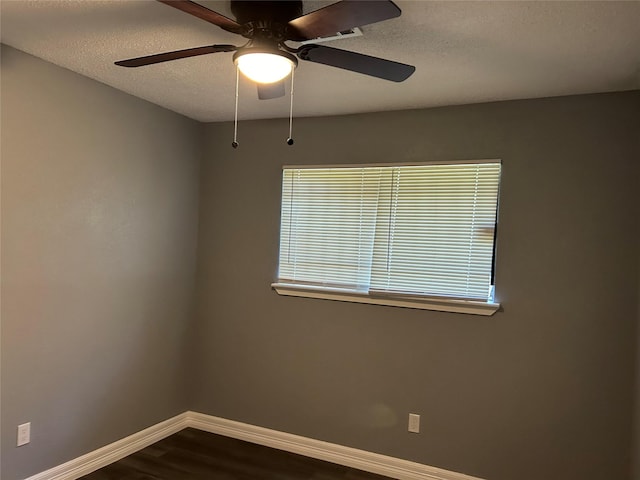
x=420 y=236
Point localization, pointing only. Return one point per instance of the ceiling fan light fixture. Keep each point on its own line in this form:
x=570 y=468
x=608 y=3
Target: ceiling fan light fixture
x=265 y=66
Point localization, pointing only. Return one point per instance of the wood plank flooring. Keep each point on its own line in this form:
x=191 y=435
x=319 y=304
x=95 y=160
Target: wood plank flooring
x=196 y=455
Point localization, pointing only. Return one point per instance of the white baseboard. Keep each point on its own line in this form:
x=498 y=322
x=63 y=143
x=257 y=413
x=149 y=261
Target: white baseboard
x=330 y=452
x=113 y=452
x=347 y=456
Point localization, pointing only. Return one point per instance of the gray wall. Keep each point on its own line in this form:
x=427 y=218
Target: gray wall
x=542 y=390
x=99 y=230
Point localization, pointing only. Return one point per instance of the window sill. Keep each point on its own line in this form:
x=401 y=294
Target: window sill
x=423 y=303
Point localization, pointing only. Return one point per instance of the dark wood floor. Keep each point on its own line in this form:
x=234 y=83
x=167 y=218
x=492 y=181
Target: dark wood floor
x=195 y=455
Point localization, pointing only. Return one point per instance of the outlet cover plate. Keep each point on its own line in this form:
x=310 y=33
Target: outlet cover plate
x=24 y=434
x=414 y=423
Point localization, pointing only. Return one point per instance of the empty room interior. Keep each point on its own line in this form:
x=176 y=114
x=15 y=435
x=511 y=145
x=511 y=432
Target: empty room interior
x=143 y=279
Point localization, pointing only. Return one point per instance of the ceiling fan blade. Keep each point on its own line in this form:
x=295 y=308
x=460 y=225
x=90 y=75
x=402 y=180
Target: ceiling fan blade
x=267 y=91
x=165 y=57
x=197 y=10
x=341 y=16
x=357 y=62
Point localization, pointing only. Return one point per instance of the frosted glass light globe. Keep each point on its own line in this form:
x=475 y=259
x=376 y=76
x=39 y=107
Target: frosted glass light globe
x=264 y=67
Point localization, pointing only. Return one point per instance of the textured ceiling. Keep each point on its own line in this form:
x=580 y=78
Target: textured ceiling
x=464 y=52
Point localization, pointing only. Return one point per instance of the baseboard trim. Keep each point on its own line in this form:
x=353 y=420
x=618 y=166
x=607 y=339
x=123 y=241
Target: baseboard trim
x=113 y=452
x=347 y=456
x=330 y=452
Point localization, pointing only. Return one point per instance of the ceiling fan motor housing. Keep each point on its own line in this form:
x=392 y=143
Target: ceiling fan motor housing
x=277 y=12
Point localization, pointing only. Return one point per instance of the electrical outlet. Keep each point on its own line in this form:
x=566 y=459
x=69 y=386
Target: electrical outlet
x=414 y=423
x=24 y=434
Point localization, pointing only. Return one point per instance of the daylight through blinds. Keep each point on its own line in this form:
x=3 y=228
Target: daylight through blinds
x=419 y=230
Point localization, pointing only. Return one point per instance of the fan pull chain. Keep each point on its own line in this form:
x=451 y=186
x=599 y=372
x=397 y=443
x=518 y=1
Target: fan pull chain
x=290 y=139
x=234 y=144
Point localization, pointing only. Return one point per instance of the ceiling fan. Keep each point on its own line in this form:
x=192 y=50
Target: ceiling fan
x=268 y=25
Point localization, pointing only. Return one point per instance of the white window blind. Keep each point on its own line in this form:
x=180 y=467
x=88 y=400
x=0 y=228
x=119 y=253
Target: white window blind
x=417 y=230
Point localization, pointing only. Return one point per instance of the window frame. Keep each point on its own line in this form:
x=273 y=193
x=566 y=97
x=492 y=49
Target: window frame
x=400 y=299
